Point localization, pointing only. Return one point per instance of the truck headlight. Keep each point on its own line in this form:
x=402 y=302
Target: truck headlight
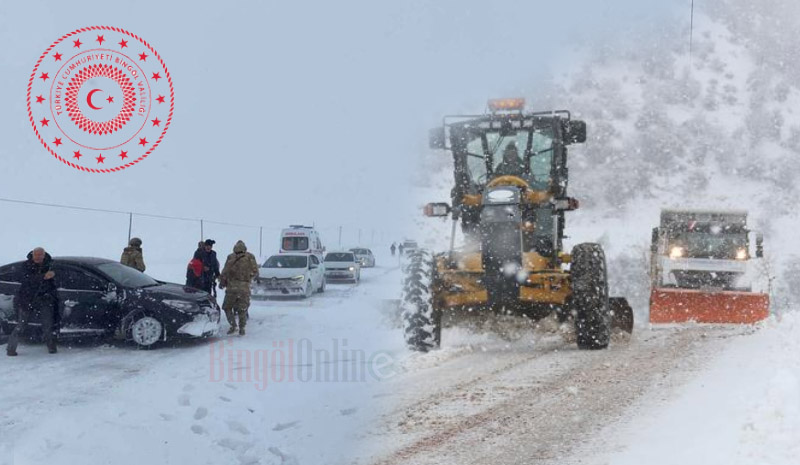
x=299 y=279
x=352 y=268
x=741 y=254
x=676 y=252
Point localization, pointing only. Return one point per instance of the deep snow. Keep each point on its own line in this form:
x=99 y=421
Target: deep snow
x=743 y=409
x=100 y=403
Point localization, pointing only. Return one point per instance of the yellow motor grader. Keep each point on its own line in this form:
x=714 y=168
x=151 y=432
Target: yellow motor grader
x=510 y=196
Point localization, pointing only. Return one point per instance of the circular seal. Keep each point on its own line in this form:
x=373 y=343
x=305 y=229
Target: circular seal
x=100 y=99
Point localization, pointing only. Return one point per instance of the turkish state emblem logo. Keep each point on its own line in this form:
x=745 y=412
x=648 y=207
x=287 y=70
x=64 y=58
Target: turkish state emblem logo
x=100 y=99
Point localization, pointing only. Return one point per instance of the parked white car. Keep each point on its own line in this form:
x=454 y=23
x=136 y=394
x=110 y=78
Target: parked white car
x=342 y=266
x=364 y=257
x=290 y=275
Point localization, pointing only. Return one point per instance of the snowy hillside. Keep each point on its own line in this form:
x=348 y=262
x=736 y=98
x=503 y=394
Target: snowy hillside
x=718 y=129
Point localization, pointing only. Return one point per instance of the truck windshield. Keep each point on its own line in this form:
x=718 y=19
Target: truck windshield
x=708 y=245
x=508 y=156
x=286 y=261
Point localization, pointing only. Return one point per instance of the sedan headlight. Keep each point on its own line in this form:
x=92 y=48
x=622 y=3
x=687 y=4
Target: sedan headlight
x=182 y=305
x=676 y=252
x=741 y=254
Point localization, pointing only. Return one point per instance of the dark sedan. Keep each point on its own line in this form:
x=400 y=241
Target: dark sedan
x=100 y=296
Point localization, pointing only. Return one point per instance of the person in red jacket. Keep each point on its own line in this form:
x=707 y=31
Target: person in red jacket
x=194 y=271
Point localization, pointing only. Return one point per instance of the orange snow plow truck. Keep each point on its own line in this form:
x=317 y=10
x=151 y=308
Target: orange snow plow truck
x=702 y=270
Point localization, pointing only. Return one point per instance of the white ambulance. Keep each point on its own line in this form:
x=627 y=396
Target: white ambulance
x=301 y=239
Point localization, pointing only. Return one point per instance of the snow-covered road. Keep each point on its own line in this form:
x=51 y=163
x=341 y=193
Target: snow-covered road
x=329 y=380
x=539 y=400
x=301 y=393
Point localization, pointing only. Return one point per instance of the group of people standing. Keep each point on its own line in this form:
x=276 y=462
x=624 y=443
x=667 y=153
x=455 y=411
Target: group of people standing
x=239 y=271
x=203 y=272
x=38 y=293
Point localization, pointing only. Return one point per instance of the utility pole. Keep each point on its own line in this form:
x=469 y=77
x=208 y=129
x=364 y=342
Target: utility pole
x=201 y=231
x=130 y=225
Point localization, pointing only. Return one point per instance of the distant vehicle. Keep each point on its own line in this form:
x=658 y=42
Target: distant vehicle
x=702 y=269
x=409 y=245
x=301 y=239
x=290 y=275
x=97 y=296
x=342 y=266
x=364 y=257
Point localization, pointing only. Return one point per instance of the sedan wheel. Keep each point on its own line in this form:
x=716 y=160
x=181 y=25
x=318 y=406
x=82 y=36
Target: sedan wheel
x=146 y=331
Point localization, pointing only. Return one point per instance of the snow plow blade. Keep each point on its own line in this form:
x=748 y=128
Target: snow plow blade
x=684 y=305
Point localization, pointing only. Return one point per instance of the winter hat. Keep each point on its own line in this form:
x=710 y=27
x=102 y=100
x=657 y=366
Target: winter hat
x=210 y=242
x=135 y=242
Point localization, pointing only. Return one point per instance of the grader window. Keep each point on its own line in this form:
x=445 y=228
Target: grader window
x=507 y=155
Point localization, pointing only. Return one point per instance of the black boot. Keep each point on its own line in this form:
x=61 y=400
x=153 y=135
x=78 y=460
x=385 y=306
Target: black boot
x=51 y=348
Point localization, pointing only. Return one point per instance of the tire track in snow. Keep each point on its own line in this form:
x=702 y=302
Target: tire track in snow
x=540 y=409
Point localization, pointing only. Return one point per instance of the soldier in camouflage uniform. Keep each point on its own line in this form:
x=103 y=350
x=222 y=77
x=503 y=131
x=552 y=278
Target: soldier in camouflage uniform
x=132 y=255
x=240 y=269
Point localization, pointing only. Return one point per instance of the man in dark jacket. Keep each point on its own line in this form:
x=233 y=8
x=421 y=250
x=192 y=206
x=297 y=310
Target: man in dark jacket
x=210 y=265
x=37 y=295
x=511 y=165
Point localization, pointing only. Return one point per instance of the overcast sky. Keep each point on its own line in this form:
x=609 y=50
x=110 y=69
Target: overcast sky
x=294 y=111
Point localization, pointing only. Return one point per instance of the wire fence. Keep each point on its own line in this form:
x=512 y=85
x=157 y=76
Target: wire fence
x=96 y=231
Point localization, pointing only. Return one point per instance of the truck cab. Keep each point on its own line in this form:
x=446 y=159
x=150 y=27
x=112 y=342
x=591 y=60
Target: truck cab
x=703 y=249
